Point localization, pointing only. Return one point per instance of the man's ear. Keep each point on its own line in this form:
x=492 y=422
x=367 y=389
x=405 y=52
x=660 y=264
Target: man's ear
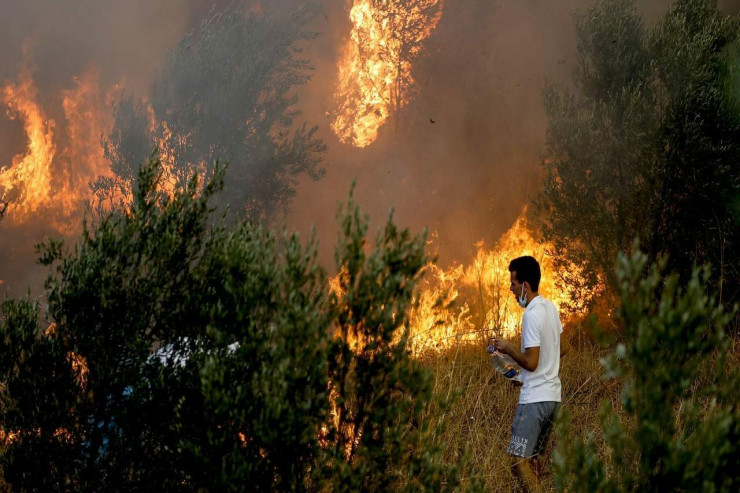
x=527 y=286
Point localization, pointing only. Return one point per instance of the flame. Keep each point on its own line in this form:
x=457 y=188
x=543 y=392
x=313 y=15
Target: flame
x=26 y=182
x=84 y=110
x=172 y=175
x=375 y=71
x=469 y=303
x=41 y=180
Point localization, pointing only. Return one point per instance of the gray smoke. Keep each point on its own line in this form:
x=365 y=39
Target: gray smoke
x=467 y=175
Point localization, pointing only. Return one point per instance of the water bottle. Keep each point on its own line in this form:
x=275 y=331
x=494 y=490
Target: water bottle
x=503 y=363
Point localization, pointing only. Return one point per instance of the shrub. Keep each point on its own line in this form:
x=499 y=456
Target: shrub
x=187 y=355
x=680 y=429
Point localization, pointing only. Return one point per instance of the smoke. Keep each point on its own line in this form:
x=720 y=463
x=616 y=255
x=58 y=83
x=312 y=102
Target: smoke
x=75 y=53
x=467 y=159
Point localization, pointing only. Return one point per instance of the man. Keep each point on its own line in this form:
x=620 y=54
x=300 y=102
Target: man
x=539 y=357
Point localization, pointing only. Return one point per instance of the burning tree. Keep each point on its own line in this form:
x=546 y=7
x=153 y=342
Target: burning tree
x=225 y=93
x=375 y=79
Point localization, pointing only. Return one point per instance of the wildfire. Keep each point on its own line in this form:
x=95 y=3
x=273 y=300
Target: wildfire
x=375 y=72
x=87 y=118
x=40 y=178
x=26 y=182
x=469 y=303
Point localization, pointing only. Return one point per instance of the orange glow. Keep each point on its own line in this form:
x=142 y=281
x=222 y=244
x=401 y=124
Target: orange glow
x=52 y=176
x=26 y=181
x=171 y=176
x=470 y=303
x=87 y=119
x=375 y=70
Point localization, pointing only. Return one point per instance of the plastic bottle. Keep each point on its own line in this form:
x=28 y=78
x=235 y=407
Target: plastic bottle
x=503 y=363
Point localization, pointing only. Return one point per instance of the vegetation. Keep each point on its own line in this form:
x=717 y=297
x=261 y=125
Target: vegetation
x=647 y=146
x=180 y=351
x=681 y=420
x=407 y=24
x=224 y=93
x=185 y=355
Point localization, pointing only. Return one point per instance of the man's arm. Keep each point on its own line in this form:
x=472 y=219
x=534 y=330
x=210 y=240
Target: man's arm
x=528 y=360
x=564 y=345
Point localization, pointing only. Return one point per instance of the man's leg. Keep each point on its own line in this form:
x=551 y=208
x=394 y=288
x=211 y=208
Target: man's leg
x=524 y=433
x=529 y=434
x=523 y=470
x=541 y=460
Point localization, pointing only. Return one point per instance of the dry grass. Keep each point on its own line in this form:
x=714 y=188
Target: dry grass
x=481 y=416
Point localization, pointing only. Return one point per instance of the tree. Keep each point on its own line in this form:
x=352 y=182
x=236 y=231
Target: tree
x=125 y=147
x=700 y=143
x=226 y=93
x=406 y=24
x=188 y=355
x=379 y=391
x=646 y=146
x=375 y=79
x=680 y=429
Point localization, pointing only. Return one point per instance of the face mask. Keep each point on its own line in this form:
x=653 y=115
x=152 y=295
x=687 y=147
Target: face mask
x=523 y=299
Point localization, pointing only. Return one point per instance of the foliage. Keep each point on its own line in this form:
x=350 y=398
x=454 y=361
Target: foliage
x=647 y=145
x=225 y=93
x=129 y=142
x=407 y=24
x=378 y=389
x=681 y=427
x=187 y=355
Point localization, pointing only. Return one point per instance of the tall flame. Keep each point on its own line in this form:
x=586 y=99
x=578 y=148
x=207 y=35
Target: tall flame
x=467 y=304
x=40 y=179
x=26 y=182
x=87 y=119
x=375 y=72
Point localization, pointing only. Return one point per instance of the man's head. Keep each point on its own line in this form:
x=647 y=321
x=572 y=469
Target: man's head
x=525 y=277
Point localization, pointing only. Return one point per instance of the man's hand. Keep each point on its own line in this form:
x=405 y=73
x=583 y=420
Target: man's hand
x=528 y=360
x=504 y=346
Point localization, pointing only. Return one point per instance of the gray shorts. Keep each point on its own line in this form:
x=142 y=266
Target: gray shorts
x=531 y=429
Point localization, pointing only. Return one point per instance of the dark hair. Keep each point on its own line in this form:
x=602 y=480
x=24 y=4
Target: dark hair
x=527 y=270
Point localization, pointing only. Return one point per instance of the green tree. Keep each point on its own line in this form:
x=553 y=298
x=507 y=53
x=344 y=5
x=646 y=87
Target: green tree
x=680 y=426
x=227 y=92
x=379 y=391
x=647 y=145
x=188 y=355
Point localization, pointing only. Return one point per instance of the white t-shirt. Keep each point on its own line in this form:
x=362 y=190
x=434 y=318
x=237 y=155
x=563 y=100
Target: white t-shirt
x=541 y=327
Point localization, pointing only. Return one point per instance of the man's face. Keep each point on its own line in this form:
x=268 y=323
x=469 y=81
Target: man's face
x=516 y=286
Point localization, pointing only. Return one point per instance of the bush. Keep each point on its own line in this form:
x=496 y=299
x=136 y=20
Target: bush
x=680 y=430
x=185 y=355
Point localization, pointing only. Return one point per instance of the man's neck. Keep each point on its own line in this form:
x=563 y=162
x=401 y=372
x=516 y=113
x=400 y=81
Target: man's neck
x=531 y=297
